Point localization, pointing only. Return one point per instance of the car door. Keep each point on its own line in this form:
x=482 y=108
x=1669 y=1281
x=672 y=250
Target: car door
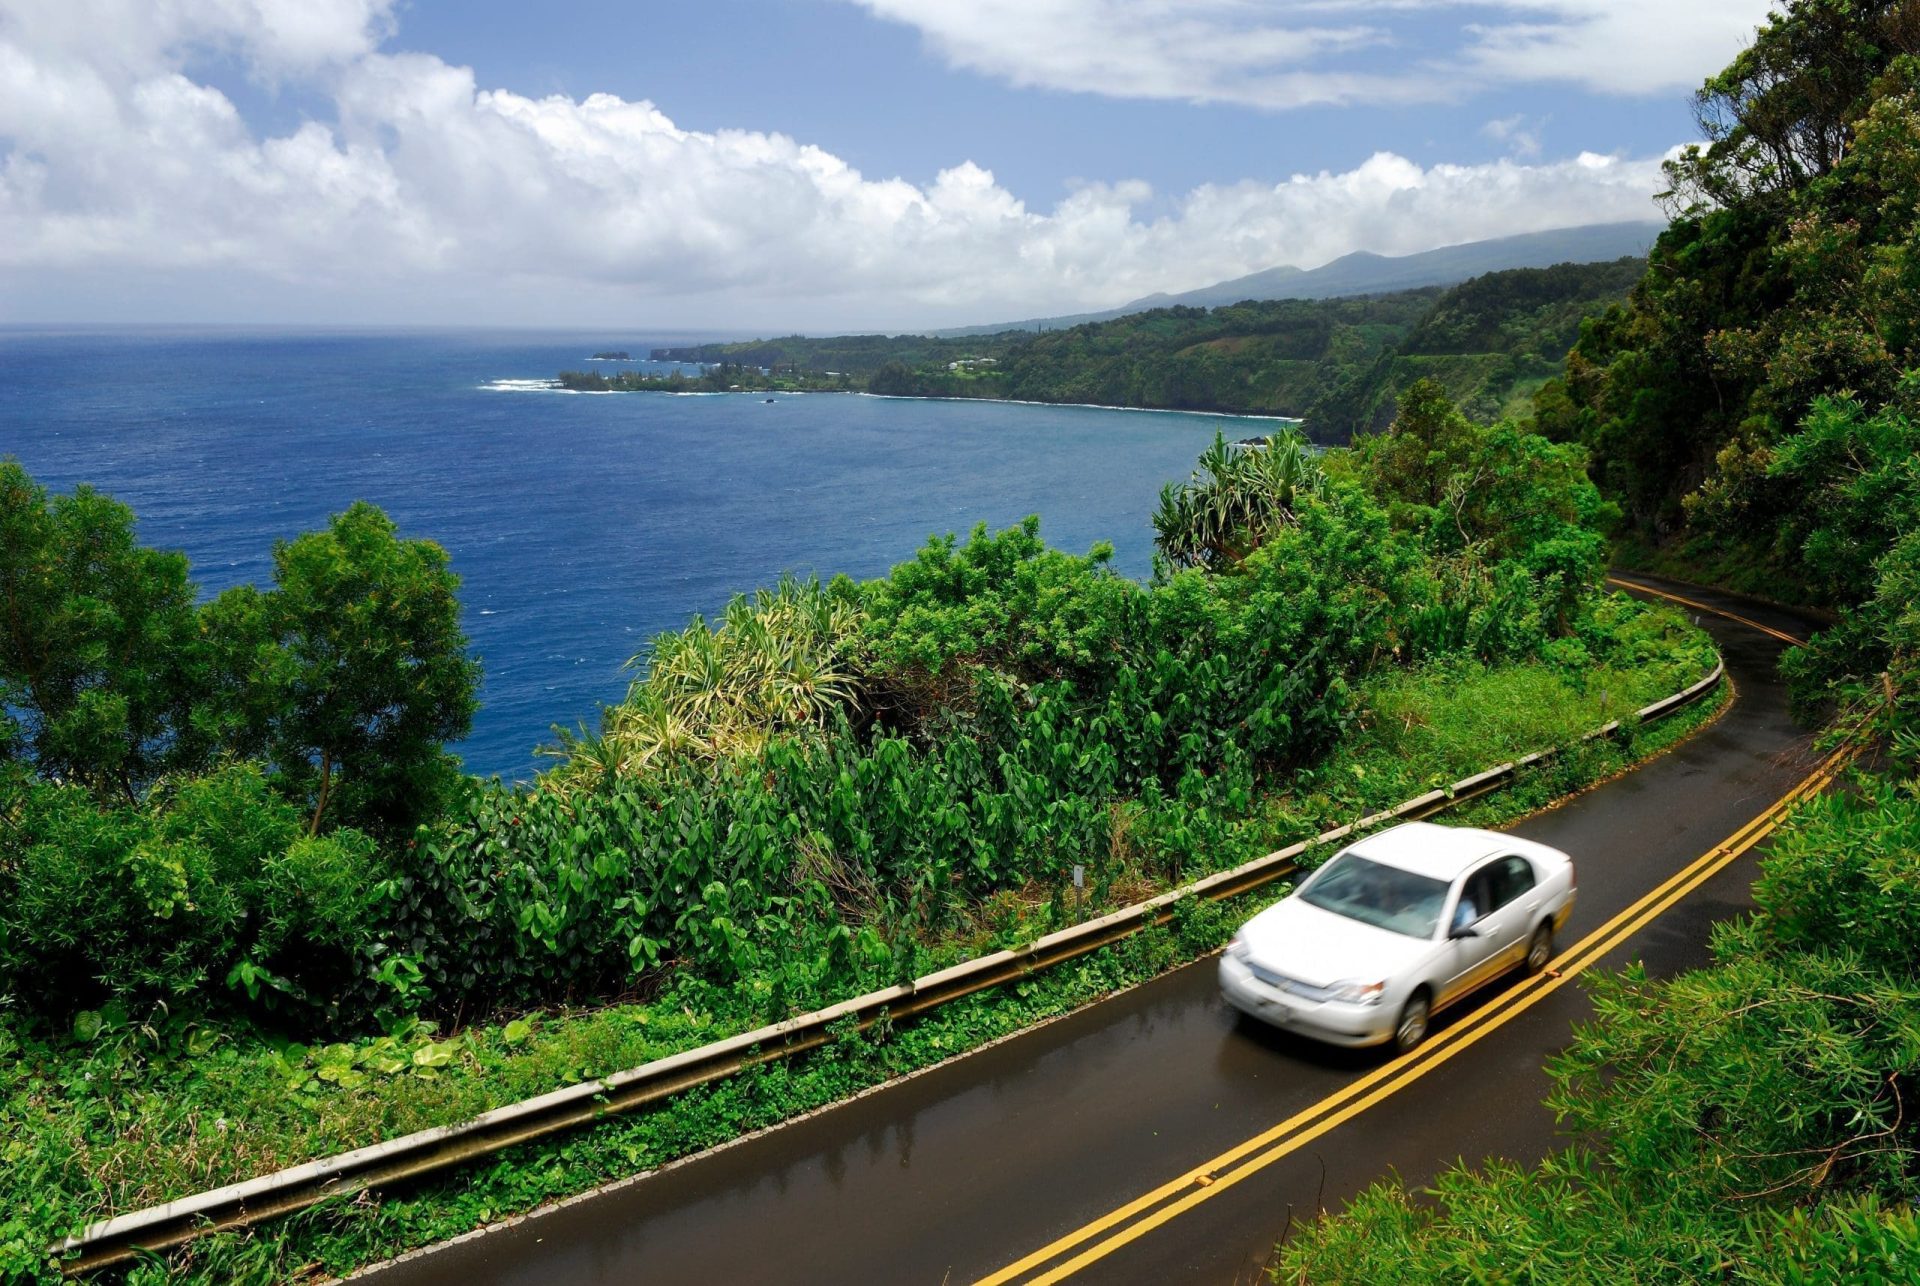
x=1513 y=900
x=1467 y=959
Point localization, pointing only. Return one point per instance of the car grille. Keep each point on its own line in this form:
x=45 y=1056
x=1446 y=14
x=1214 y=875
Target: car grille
x=1292 y=986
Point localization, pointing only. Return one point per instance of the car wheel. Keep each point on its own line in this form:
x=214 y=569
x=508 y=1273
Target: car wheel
x=1412 y=1027
x=1540 y=950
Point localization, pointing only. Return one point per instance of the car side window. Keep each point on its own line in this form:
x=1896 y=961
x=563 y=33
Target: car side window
x=1513 y=877
x=1475 y=900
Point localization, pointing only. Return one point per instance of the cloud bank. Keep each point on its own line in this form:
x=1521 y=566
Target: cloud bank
x=1295 y=53
x=125 y=175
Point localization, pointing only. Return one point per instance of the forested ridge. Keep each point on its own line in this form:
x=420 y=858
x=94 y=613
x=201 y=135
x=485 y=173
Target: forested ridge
x=1339 y=364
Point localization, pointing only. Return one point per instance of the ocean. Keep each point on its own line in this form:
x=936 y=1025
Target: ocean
x=581 y=525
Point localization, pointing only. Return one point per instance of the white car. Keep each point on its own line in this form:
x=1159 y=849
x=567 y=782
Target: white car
x=1395 y=928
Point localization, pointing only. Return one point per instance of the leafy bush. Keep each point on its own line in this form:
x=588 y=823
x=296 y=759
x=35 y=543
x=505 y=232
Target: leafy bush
x=778 y=660
x=208 y=894
x=1500 y=491
x=1237 y=496
x=1843 y=879
x=1004 y=600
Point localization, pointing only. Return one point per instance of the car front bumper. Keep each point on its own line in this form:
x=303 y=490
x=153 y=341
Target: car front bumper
x=1354 y=1026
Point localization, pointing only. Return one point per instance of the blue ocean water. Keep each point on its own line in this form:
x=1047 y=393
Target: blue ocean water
x=581 y=525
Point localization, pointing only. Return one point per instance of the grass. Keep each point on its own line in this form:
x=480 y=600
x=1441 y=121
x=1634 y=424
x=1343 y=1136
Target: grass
x=135 y=1115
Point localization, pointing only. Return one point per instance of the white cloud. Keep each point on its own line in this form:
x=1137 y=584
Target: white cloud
x=275 y=37
x=1197 y=50
x=1291 y=53
x=1613 y=46
x=1520 y=133
x=124 y=179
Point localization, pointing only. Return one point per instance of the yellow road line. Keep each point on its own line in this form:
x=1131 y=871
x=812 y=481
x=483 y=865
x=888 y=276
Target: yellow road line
x=1782 y=635
x=1332 y=1111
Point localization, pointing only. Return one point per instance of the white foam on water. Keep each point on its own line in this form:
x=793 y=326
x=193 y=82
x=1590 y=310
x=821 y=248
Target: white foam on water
x=524 y=386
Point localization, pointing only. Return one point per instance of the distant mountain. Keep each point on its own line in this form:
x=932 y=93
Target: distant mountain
x=1370 y=274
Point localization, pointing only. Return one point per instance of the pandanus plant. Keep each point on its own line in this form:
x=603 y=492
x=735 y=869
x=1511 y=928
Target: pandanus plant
x=1238 y=496
x=776 y=659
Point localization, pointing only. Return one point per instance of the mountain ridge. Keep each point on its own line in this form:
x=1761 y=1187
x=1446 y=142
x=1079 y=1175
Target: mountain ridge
x=1365 y=273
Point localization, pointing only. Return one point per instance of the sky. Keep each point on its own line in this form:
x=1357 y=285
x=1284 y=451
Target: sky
x=757 y=165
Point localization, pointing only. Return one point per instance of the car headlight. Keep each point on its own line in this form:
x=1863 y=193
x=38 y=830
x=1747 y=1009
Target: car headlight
x=1352 y=992
x=1238 y=948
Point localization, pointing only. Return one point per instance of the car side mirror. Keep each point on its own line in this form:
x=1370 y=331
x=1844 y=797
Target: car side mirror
x=1464 y=931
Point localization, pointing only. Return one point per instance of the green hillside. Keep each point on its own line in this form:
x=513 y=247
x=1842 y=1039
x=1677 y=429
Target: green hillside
x=1339 y=364
x=1490 y=342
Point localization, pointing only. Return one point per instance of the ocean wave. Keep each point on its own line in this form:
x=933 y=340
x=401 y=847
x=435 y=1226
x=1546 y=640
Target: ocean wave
x=539 y=386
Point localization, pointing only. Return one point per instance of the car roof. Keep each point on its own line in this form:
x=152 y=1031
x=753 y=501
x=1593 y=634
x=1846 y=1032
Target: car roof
x=1441 y=852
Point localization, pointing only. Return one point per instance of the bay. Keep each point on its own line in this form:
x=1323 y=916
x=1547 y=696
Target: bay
x=581 y=525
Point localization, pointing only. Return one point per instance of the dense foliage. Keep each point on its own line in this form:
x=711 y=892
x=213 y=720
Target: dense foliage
x=825 y=777
x=826 y=788
x=1789 y=274
x=210 y=886
x=1751 y=408
x=1755 y=404
x=187 y=789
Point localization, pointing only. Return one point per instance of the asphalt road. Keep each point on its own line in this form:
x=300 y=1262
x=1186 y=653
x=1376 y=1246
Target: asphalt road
x=956 y=1174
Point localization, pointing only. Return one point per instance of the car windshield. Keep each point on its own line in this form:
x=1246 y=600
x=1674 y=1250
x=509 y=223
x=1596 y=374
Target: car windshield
x=1383 y=896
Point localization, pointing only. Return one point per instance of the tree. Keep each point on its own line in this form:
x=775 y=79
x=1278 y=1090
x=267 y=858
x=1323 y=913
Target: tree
x=1782 y=113
x=1236 y=498
x=1790 y=274
x=98 y=640
x=1425 y=447
x=360 y=673
x=1491 y=493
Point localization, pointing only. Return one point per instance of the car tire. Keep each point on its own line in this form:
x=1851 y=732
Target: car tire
x=1540 y=950
x=1415 y=1017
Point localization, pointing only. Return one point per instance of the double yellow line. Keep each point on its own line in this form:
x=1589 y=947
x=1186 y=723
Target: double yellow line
x=1110 y=1232
x=1747 y=621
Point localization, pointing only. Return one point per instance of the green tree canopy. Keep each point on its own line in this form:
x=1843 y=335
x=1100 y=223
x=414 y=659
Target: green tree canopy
x=358 y=670
x=98 y=640
x=1498 y=490
x=1783 y=112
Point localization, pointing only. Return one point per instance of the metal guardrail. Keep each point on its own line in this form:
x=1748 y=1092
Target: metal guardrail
x=285 y=1191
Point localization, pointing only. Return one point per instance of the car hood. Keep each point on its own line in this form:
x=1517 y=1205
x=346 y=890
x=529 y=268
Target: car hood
x=1321 y=948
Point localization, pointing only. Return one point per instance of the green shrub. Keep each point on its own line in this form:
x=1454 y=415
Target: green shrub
x=1845 y=877
x=210 y=896
x=1004 y=600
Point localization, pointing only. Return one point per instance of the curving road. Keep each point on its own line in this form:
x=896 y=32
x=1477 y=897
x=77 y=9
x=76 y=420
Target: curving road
x=1157 y=1137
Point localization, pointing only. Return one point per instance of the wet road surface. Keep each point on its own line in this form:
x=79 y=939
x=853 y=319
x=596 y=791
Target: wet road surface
x=959 y=1172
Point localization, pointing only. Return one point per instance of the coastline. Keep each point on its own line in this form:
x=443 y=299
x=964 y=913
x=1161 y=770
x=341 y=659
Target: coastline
x=1087 y=406
x=553 y=386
